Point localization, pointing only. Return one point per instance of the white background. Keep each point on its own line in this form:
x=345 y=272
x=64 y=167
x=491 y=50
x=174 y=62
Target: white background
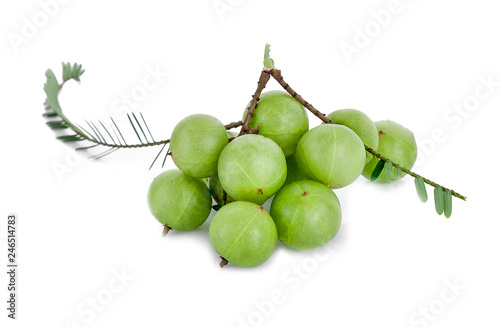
x=82 y=222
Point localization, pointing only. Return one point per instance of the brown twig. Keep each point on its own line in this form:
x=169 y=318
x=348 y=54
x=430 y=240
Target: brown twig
x=166 y=229
x=223 y=262
x=233 y=125
x=276 y=74
x=261 y=84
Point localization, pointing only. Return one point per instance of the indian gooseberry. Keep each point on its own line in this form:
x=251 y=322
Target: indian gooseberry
x=252 y=168
x=307 y=214
x=395 y=142
x=281 y=118
x=293 y=172
x=179 y=201
x=217 y=191
x=360 y=123
x=196 y=143
x=331 y=154
x=243 y=233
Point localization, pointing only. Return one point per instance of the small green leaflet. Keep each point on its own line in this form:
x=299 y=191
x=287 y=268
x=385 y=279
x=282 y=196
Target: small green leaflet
x=439 y=200
x=388 y=171
x=397 y=172
x=421 y=191
x=377 y=171
x=268 y=62
x=447 y=203
x=72 y=72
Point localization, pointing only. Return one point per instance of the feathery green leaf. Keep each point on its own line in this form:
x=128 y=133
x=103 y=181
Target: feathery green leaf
x=57 y=124
x=147 y=126
x=163 y=147
x=112 y=139
x=139 y=124
x=135 y=130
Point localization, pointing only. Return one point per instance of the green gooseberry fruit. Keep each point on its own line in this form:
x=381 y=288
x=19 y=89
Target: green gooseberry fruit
x=252 y=168
x=179 y=201
x=293 y=172
x=196 y=144
x=307 y=214
x=331 y=154
x=216 y=190
x=243 y=233
x=281 y=118
x=396 y=143
x=360 y=123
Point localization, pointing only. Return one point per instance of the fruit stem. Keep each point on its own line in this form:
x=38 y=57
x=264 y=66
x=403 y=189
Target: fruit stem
x=166 y=229
x=265 y=75
x=276 y=74
x=233 y=125
x=409 y=172
x=223 y=262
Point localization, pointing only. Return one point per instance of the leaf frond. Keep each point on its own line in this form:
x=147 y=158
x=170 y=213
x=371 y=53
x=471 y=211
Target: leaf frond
x=59 y=122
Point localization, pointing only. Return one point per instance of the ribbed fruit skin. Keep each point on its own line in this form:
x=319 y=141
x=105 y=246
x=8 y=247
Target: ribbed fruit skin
x=397 y=143
x=243 y=233
x=179 y=201
x=360 y=123
x=307 y=214
x=252 y=168
x=281 y=118
x=331 y=154
x=196 y=143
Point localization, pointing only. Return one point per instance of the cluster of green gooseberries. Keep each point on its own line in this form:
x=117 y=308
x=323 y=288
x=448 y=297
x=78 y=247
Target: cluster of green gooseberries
x=298 y=166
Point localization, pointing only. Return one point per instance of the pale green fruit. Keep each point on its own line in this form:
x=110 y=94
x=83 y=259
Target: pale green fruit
x=216 y=190
x=243 y=233
x=231 y=135
x=281 y=118
x=252 y=168
x=307 y=214
x=179 y=201
x=196 y=144
x=293 y=172
x=331 y=154
x=360 y=123
x=396 y=143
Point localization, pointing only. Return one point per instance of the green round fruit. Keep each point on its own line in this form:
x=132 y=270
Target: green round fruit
x=360 y=123
x=281 y=118
x=331 y=154
x=216 y=190
x=293 y=173
x=307 y=214
x=196 y=144
x=179 y=201
x=243 y=233
x=396 y=143
x=252 y=168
